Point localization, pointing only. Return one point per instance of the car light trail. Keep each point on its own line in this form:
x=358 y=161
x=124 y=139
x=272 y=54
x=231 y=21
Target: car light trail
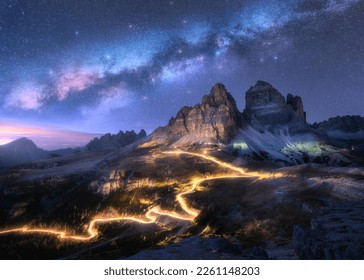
x=259 y=175
x=153 y=213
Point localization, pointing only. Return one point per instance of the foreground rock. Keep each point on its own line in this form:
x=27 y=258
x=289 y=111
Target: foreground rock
x=338 y=234
x=198 y=248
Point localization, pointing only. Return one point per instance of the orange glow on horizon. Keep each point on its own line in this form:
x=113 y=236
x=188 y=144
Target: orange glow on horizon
x=43 y=137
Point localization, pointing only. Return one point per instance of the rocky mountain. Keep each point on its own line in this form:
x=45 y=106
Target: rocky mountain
x=306 y=203
x=272 y=127
x=20 y=151
x=114 y=141
x=215 y=119
x=346 y=127
x=267 y=108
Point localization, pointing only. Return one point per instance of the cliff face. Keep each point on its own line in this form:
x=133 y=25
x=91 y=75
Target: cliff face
x=263 y=96
x=216 y=118
x=297 y=106
x=266 y=107
x=271 y=127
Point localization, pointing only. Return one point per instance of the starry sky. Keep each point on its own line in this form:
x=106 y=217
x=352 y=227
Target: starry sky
x=72 y=70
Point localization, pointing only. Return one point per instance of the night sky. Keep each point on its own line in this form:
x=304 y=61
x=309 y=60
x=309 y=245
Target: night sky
x=72 y=69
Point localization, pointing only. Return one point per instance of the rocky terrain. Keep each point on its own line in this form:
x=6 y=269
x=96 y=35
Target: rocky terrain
x=346 y=127
x=114 y=141
x=271 y=128
x=215 y=119
x=337 y=234
x=261 y=184
x=267 y=108
x=208 y=248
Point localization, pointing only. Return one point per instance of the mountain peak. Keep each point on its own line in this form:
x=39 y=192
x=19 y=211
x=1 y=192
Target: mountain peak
x=263 y=95
x=23 y=141
x=261 y=85
x=219 y=96
x=19 y=151
x=216 y=118
x=266 y=107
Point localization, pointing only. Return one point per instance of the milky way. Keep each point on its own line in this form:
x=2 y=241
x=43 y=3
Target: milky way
x=105 y=66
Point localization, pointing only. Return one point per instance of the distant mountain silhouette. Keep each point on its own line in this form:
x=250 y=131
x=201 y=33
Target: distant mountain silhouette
x=24 y=150
x=20 y=151
x=114 y=141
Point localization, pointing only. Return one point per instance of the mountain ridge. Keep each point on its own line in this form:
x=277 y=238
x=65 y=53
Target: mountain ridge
x=271 y=127
x=215 y=118
x=24 y=150
x=114 y=141
x=269 y=190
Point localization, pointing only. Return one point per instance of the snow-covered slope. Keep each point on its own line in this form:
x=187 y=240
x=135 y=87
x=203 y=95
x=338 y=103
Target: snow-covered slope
x=287 y=147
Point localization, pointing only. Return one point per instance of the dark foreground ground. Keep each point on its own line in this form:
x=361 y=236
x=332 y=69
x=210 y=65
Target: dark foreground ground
x=312 y=212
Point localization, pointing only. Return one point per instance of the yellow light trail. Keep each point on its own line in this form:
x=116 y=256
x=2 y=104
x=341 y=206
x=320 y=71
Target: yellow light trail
x=182 y=201
x=153 y=213
x=210 y=158
x=260 y=175
x=151 y=217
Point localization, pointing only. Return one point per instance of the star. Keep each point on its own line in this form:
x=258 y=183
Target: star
x=87 y=57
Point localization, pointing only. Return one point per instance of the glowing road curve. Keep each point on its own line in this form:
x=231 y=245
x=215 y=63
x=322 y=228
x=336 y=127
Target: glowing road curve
x=153 y=213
